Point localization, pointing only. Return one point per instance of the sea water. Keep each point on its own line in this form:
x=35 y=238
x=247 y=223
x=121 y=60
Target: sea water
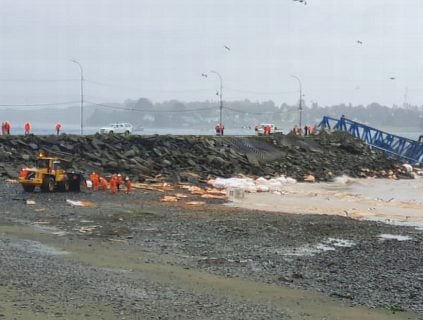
x=43 y=129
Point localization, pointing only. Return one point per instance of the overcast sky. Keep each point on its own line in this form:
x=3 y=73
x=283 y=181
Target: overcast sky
x=159 y=48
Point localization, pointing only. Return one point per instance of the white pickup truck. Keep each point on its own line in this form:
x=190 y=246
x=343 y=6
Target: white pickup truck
x=117 y=128
x=261 y=126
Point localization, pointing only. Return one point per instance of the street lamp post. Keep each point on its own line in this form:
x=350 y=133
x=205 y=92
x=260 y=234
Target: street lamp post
x=221 y=100
x=82 y=95
x=300 y=107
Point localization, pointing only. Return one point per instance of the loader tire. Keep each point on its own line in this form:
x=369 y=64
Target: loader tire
x=28 y=188
x=48 y=184
x=64 y=186
x=81 y=185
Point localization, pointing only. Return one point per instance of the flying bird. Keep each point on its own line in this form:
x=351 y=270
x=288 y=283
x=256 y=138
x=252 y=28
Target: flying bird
x=227 y=48
x=204 y=75
x=359 y=42
x=301 y=1
x=392 y=78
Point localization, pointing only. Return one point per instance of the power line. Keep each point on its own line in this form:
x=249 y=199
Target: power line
x=37 y=80
x=263 y=92
x=192 y=90
x=260 y=113
x=138 y=88
x=149 y=110
x=38 y=104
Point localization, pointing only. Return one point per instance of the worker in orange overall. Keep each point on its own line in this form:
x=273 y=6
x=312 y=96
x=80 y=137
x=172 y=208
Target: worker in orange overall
x=27 y=128
x=58 y=127
x=112 y=184
x=217 y=128
x=128 y=185
x=7 y=127
x=103 y=184
x=94 y=180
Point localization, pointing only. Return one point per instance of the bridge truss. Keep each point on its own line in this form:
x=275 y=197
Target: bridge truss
x=409 y=150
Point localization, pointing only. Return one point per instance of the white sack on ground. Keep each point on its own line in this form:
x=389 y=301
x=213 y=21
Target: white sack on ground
x=250 y=185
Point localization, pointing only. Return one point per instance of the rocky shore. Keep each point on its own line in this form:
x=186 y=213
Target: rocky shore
x=185 y=158
x=135 y=257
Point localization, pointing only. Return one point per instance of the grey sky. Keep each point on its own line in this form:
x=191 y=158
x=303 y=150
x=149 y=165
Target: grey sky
x=159 y=48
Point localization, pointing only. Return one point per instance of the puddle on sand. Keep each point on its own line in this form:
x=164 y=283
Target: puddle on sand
x=387 y=236
x=49 y=229
x=329 y=244
x=405 y=223
x=37 y=247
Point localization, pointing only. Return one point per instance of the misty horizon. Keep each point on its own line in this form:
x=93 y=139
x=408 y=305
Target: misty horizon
x=343 y=52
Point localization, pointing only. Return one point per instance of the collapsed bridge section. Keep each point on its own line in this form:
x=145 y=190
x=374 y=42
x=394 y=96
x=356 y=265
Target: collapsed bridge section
x=393 y=145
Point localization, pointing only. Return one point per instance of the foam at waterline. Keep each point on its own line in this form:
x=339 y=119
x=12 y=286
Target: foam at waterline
x=398 y=237
x=346 y=180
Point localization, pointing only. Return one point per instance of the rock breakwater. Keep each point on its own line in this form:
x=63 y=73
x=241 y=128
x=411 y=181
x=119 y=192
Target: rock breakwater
x=186 y=158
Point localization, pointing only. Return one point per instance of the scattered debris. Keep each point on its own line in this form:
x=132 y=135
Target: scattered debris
x=87 y=229
x=161 y=187
x=342 y=296
x=213 y=196
x=309 y=178
x=181 y=195
x=30 y=202
x=252 y=185
x=195 y=203
x=169 y=199
x=80 y=203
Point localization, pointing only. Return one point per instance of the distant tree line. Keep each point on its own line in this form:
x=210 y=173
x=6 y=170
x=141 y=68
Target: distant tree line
x=246 y=113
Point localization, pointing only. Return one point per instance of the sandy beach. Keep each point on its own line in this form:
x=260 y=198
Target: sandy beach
x=391 y=201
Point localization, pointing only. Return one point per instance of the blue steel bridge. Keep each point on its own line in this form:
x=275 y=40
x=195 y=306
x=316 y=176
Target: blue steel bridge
x=394 y=146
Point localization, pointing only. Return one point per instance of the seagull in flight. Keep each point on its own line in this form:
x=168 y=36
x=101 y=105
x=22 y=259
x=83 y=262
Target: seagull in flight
x=227 y=48
x=392 y=78
x=204 y=75
x=301 y=1
x=359 y=42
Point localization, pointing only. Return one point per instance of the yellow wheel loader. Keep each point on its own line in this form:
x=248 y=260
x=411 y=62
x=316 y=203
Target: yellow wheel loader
x=49 y=175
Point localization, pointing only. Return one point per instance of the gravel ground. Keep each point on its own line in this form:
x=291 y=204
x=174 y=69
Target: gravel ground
x=134 y=244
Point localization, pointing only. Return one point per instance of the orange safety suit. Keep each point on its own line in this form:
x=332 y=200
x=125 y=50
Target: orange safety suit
x=27 y=128
x=58 y=127
x=103 y=184
x=7 y=127
x=128 y=185
x=217 y=128
x=94 y=180
x=112 y=184
x=266 y=130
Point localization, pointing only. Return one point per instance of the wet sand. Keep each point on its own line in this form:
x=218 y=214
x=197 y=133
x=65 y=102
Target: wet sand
x=394 y=201
x=134 y=257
